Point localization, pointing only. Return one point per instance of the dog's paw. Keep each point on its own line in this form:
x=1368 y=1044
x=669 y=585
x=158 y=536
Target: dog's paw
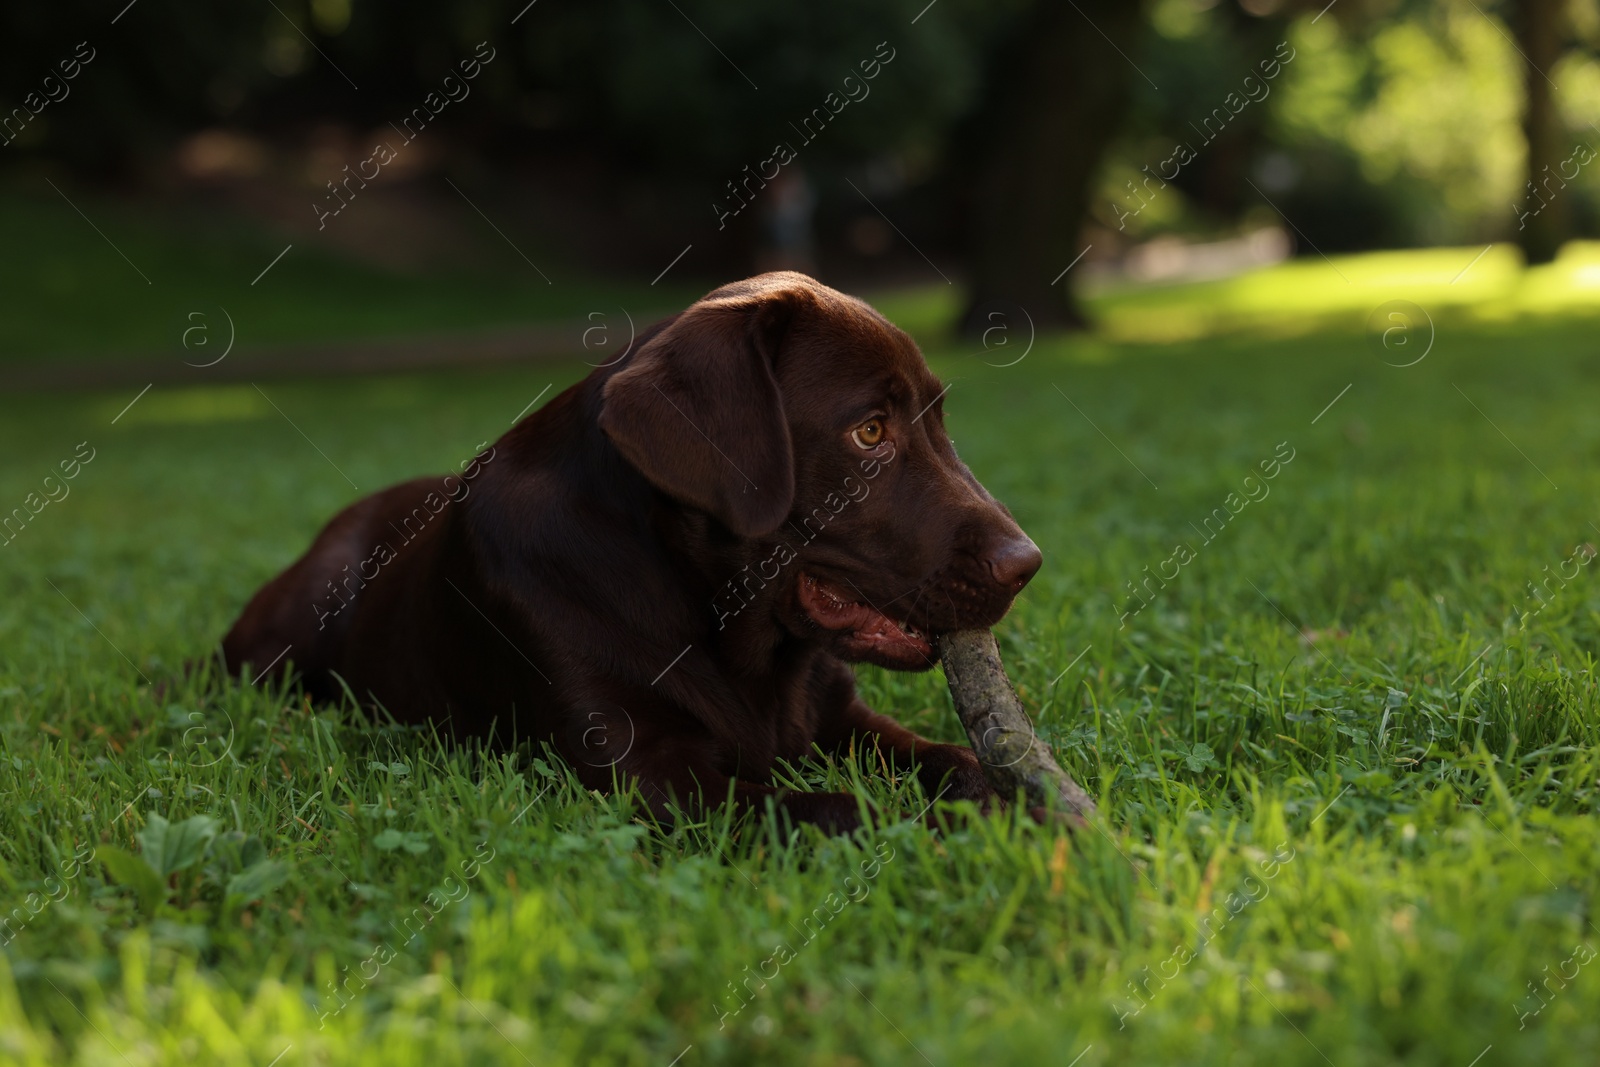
x=952 y=772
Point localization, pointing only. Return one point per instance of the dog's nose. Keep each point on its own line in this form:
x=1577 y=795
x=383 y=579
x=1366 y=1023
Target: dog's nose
x=1013 y=561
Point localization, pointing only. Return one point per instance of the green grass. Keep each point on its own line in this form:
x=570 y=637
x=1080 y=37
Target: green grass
x=124 y=277
x=1303 y=296
x=1344 y=707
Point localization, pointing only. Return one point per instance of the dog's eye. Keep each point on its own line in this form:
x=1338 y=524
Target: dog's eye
x=869 y=434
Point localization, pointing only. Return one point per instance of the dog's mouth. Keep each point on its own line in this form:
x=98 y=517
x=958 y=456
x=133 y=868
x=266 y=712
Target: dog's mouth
x=862 y=630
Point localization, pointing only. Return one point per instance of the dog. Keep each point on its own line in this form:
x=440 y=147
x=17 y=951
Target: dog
x=665 y=572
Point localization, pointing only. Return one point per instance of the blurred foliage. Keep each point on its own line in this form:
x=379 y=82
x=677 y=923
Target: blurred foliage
x=618 y=74
x=1395 y=123
x=769 y=67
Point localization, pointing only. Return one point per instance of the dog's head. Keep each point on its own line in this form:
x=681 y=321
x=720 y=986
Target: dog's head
x=804 y=421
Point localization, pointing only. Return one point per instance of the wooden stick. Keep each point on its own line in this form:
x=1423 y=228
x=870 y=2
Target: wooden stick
x=1002 y=735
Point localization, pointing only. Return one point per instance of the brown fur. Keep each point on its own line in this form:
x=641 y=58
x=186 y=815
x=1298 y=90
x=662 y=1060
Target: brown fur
x=670 y=501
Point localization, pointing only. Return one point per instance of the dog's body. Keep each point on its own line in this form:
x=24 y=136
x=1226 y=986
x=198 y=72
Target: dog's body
x=664 y=571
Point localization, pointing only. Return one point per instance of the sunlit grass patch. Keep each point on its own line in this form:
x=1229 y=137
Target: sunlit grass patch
x=1348 y=755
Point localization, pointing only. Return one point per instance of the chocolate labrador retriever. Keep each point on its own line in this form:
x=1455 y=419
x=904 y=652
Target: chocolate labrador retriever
x=665 y=571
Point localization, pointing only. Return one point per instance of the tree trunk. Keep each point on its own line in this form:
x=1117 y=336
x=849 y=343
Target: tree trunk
x=1057 y=95
x=1543 y=209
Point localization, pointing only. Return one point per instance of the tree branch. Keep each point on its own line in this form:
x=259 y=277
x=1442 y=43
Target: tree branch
x=1002 y=735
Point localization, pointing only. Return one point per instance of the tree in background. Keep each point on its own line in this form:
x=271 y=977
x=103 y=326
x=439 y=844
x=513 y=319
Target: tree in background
x=1057 y=96
x=1541 y=37
x=999 y=129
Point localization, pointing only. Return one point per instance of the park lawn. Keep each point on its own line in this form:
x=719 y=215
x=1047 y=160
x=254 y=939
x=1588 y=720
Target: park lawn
x=98 y=277
x=1348 y=768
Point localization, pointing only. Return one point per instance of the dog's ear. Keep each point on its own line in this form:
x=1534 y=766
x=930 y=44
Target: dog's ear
x=697 y=409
